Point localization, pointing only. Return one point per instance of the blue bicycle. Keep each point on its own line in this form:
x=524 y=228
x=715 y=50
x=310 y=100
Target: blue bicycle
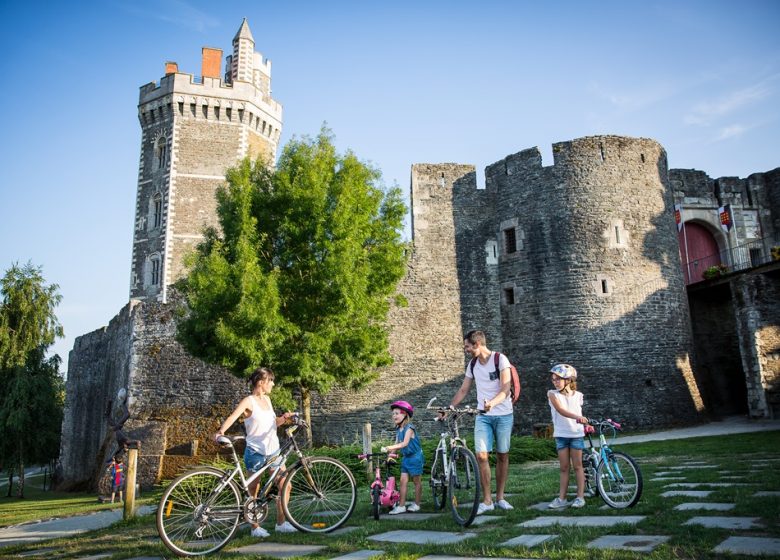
x=614 y=475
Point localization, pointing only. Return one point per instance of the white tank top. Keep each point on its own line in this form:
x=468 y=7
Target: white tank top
x=260 y=429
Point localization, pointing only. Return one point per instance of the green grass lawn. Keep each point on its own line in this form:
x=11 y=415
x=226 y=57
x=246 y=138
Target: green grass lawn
x=530 y=482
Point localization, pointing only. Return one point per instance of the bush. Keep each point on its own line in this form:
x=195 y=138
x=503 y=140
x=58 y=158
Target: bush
x=715 y=271
x=775 y=253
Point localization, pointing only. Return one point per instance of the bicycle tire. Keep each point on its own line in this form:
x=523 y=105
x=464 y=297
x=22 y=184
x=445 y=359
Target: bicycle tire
x=194 y=521
x=588 y=464
x=318 y=496
x=438 y=481
x=619 y=480
x=376 y=493
x=464 y=486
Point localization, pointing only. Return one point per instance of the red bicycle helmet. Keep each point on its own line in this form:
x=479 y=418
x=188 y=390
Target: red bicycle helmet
x=403 y=405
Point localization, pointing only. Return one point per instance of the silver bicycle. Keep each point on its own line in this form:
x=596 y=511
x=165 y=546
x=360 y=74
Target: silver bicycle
x=455 y=472
x=202 y=509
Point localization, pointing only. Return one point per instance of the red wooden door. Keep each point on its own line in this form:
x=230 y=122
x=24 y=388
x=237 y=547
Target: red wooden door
x=698 y=251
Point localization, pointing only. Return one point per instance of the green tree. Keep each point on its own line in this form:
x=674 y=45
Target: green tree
x=32 y=389
x=302 y=273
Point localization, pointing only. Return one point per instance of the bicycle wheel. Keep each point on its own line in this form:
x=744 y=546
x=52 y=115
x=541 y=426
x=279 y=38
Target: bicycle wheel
x=619 y=480
x=198 y=513
x=320 y=494
x=375 y=494
x=464 y=486
x=438 y=481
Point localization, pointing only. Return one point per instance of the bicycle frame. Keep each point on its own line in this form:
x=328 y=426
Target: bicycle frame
x=601 y=452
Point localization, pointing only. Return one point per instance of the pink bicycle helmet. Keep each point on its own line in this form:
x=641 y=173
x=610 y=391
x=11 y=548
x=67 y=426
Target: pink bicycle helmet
x=403 y=405
x=564 y=371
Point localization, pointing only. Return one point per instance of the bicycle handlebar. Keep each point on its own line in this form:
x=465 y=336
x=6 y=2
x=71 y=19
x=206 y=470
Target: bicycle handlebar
x=452 y=409
x=605 y=423
x=366 y=456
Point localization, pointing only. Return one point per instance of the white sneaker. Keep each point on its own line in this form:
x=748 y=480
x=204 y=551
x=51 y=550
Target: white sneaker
x=412 y=507
x=557 y=503
x=503 y=504
x=483 y=507
x=260 y=533
x=397 y=509
x=578 y=503
x=285 y=528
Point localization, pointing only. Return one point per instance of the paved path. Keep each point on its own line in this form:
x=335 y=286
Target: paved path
x=729 y=425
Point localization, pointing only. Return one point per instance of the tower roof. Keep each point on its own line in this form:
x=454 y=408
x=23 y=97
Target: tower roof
x=244 y=32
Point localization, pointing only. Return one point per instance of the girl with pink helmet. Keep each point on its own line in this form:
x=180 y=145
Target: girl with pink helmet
x=412 y=459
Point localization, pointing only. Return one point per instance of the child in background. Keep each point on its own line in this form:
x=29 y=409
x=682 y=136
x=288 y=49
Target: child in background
x=117 y=471
x=412 y=459
x=566 y=408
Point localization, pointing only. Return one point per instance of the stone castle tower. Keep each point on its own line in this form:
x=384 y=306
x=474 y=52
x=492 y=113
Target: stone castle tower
x=575 y=262
x=192 y=129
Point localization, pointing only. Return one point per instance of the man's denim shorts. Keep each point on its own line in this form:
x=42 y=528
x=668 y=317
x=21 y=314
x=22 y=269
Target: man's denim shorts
x=254 y=461
x=489 y=429
x=570 y=442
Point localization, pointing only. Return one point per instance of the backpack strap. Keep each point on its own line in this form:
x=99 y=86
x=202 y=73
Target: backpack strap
x=496 y=357
x=471 y=366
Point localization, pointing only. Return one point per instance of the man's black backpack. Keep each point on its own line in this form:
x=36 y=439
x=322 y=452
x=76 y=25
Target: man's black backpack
x=514 y=385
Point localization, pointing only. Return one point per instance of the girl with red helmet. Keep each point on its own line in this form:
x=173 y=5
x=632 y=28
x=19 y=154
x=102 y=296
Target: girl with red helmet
x=412 y=459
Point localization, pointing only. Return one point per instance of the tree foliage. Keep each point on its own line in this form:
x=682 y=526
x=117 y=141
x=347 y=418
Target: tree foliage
x=31 y=387
x=302 y=273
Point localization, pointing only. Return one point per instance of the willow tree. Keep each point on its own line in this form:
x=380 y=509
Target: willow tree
x=31 y=388
x=301 y=274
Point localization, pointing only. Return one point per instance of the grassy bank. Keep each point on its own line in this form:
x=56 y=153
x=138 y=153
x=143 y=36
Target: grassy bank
x=530 y=483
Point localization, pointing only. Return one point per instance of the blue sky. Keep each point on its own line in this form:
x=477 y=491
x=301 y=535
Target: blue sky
x=398 y=83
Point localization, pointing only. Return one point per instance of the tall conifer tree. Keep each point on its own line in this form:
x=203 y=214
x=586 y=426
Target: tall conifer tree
x=302 y=273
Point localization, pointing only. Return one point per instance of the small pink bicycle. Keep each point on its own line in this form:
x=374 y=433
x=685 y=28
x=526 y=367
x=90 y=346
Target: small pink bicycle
x=382 y=495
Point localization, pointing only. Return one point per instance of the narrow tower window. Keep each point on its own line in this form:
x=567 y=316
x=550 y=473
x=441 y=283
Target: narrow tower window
x=510 y=240
x=617 y=235
x=161 y=153
x=157 y=211
x=154 y=278
x=509 y=296
x=601 y=150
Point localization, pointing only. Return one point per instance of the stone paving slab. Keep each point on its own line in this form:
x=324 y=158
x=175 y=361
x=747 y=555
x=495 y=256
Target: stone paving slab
x=421 y=537
x=408 y=516
x=665 y=478
x=541 y=506
x=711 y=484
x=584 y=521
x=37 y=552
x=95 y=556
x=482 y=519
x=635 y=543
x=444 y=557
x=687 y=493
x=749 y=545
x=683 y=467
x=529 y=541
x=767 y=494
x=341 y=531
x=715 y=522
x=705 y=505
x=669 y=473
x=359 y=555
x=278 y=550
x=65 y=527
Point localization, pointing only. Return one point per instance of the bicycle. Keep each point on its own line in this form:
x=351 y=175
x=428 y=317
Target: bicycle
x=201 y=510
x=457 y=475
x=614 y=475
x=382 y=495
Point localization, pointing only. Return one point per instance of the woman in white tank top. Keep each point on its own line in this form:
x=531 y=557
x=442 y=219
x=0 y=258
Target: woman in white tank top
x=262 y=442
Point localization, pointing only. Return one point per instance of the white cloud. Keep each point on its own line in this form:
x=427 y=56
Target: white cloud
x=176 y=12
x=632 y=100
x=731 y=131
x=707 y=112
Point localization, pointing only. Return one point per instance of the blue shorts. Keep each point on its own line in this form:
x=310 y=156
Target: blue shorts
x=412 y=465
x=489 y=429
x=254 y=461
x=570 y=442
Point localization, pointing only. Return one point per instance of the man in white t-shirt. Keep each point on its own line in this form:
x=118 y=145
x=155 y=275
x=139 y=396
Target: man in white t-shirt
x=493 y=396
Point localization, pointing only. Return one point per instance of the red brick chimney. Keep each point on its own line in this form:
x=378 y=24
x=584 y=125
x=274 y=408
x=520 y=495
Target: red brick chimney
x=171 y=68
x=212 y=63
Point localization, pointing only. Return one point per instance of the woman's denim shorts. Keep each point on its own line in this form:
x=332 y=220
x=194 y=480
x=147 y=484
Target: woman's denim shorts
x=570 y=442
